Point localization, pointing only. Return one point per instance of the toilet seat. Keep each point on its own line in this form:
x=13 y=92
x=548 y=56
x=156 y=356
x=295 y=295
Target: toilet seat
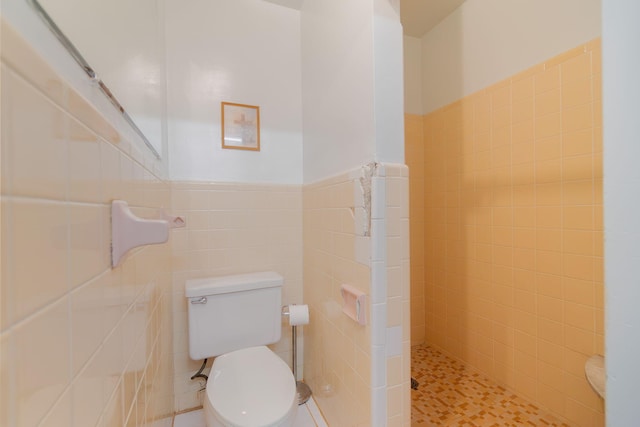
x=252 y=387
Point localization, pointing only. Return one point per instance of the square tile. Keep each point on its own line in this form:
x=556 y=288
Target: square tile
x=451 y=394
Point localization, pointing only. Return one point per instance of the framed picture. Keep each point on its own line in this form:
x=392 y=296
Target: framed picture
x=240 y=126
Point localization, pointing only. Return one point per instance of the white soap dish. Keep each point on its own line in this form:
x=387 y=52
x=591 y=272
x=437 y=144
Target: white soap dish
x=129 y=231
x=354 y=304
x=594 y=371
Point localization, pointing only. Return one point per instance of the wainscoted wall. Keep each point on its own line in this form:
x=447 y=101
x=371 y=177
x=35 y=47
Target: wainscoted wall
x=513 y=234
x=236 y=228
x=356 y=233
x=232 y=229
x=81 y=343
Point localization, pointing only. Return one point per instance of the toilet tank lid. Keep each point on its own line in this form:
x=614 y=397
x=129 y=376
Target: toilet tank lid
x=235 y=283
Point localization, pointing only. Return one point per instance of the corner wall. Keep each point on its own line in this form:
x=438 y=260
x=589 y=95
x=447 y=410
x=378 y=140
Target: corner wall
x=356 y=230
x=337 y=87
x=353 y=152
x=412 y=47
x=484 y=42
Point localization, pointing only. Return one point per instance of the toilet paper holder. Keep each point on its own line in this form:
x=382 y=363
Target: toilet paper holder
x=302 y=389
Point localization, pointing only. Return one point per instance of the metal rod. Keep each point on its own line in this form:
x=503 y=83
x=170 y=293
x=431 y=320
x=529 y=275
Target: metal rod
x=303 y=390
x=82 y=62
x=294 y=349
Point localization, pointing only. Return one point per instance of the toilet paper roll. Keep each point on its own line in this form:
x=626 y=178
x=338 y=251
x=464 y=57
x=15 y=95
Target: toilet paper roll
x=298 y=314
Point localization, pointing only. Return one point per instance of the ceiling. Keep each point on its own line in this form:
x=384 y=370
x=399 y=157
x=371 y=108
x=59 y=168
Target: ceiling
x=420 y=16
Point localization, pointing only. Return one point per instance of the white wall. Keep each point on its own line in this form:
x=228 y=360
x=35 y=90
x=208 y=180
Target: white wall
x=412 y=47
x=388 y=82
x=621 y=92
x=352 y=85
x=240 y=51
x=485 y=41
x=130 y=60
x=337 y=86
x=29 y=25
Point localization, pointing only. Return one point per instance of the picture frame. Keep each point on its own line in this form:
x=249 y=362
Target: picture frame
x=240 y=126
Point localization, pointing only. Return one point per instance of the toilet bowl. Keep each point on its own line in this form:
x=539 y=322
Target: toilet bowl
x=233 y=318
x=250 y=387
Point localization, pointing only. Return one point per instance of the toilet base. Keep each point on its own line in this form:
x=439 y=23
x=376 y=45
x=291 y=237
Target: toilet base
x=212 y=420
x=303 y=391
x=251 y=387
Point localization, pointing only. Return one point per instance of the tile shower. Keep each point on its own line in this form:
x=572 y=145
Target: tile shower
x=506 y=201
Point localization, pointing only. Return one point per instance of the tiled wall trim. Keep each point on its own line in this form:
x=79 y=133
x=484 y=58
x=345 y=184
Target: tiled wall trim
x=509 y=198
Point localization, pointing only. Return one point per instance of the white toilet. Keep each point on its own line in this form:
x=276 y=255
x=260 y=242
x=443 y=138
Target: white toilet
x=233 y=318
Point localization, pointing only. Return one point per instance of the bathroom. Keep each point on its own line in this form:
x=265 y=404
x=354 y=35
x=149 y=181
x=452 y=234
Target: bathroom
x=68 y=355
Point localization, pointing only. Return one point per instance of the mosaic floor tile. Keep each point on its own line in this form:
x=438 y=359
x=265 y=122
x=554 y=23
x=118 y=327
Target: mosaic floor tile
x=449 y=394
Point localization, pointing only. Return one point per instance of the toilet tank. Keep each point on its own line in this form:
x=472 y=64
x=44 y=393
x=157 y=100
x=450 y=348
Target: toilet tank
x=228 y=313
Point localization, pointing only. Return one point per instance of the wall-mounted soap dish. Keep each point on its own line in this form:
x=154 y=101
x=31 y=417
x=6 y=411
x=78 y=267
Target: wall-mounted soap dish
x=595 y=373
x=129 y=231
x=354 y=303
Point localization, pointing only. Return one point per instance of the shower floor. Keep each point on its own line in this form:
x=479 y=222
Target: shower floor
x=450 y=394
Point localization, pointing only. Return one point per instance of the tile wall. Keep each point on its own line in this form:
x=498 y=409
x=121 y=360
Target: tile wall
x=82 y=344
x=513 y=234
x=338 y=350
x=232 y=229
x=356 y=233
x=414 y=156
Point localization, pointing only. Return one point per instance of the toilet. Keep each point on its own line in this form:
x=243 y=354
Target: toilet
x=233 y=318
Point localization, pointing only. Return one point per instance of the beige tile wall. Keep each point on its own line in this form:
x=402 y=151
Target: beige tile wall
x=513 y=231
x=231 y=229
x=356 y=232
x=81 y=344
x=414 y=157
x=338 y=350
